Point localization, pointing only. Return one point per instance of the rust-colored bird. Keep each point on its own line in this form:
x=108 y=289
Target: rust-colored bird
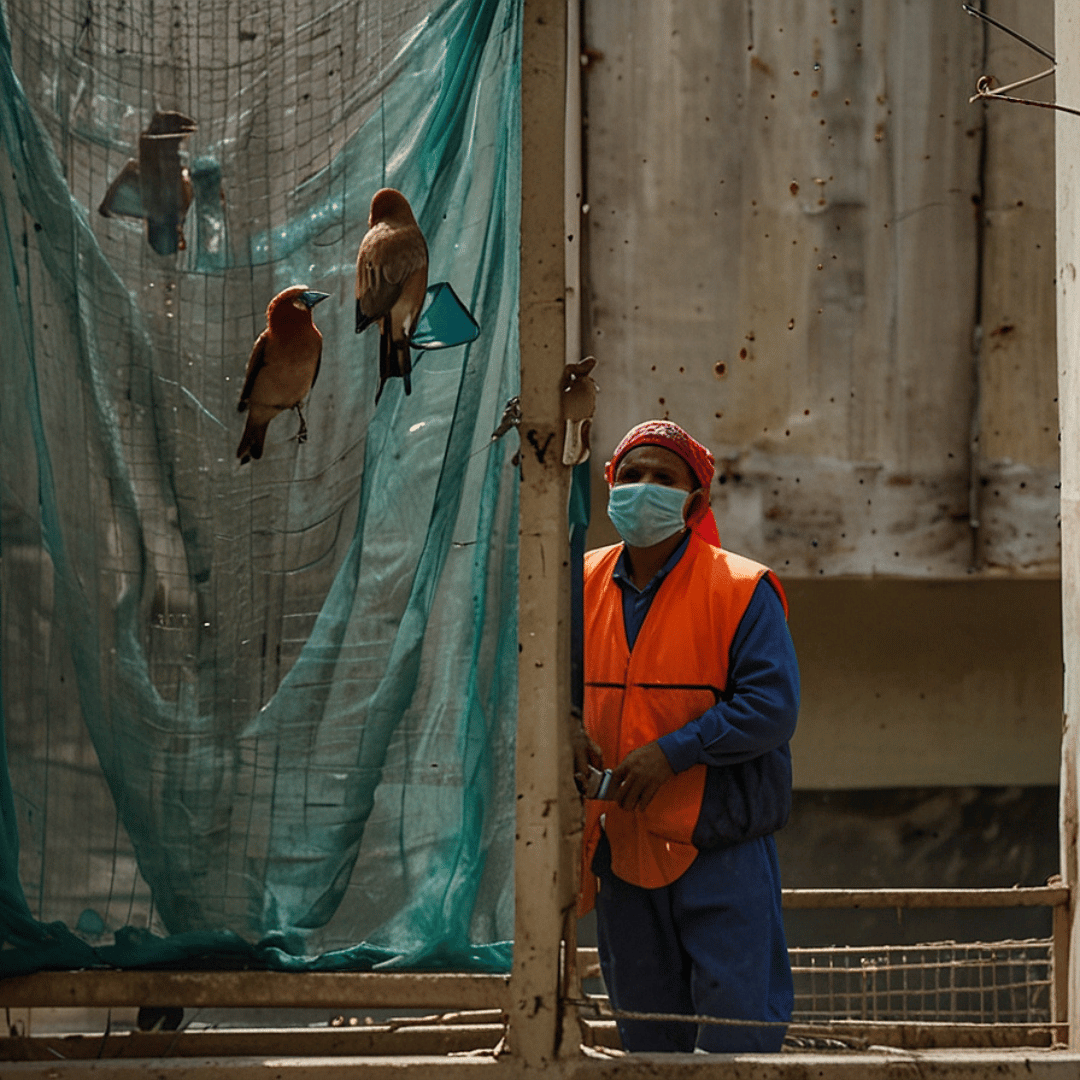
x=282 y=368
x=391 y=282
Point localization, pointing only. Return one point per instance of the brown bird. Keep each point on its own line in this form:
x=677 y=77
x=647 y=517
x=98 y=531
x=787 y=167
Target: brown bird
x=391 y=282
x=282 y=368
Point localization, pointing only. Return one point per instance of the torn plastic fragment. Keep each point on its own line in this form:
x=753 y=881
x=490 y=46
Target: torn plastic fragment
x=578 y=407
x=156 y=187
x=445 y=320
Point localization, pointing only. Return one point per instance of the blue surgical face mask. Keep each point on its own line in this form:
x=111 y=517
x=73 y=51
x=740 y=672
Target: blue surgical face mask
x=645 y=514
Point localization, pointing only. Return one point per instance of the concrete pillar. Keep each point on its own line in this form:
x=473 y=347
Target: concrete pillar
x=543 y=875
x=1067 y=156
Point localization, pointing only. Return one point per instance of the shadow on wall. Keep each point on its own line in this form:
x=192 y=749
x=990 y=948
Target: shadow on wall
x=964 y=837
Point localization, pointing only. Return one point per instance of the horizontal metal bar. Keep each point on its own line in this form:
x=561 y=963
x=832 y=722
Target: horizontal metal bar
x=588 y=959
x=1010 y=950
x=922 y=1035
x=824 y=980
x=254 y=990
x=1038 y=896
x=275 y=1042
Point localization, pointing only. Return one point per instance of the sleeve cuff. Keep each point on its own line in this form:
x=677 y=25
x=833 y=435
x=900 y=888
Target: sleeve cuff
x=682 y=748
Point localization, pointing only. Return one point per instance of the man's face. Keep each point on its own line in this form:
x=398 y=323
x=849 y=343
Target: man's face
x=655 y=465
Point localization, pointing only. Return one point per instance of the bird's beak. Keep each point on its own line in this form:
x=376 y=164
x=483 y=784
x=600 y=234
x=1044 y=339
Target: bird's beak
x=311 y=298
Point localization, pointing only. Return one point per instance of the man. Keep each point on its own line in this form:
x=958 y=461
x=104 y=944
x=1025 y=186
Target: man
x=691 y=696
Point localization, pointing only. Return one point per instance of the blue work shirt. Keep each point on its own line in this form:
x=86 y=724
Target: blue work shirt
x=760 y=705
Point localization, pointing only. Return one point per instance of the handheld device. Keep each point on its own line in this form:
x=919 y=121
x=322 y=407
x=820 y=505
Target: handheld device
x=597 y=783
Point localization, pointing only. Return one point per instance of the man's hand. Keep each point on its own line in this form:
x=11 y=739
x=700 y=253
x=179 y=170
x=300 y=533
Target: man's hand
x=586 y=752
x=640 y=776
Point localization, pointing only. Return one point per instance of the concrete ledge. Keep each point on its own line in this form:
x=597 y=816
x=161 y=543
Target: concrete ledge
x=591 y=1065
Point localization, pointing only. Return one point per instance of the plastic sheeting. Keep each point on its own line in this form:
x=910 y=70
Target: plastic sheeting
x=255 y=714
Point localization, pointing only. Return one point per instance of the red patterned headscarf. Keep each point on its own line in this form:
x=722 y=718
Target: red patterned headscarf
x=672 y=437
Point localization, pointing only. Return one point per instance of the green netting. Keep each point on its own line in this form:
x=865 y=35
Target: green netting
x=255 y=715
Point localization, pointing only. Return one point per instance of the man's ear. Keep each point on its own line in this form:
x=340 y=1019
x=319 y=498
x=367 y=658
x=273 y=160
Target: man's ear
x=694 y=503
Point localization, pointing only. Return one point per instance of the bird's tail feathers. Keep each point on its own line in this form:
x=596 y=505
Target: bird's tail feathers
x=405 y=363
x=164 y=235
x=386 y=361
x=362 y=321
x=252 y=441
x=394 y=360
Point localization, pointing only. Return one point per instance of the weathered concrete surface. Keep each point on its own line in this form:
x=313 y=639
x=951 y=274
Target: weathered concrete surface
x=889 y=1065
x=254 y=989
x=914 y=683
x=923 y=838
x=1067 y=33
x=547 y=814
x=1014 y=449
x=801 y=248
x=870 y=438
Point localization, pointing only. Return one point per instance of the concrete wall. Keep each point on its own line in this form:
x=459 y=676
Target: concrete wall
x=804 y=244
x=909 y=684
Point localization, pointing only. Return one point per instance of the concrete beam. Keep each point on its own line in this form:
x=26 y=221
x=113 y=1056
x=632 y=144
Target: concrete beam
x=543 y=876
x=1067 y=161
x=253 y=990
x=590 y=1065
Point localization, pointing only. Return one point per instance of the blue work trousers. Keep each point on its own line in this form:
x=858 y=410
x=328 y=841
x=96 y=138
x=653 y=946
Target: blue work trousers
x=710 y=944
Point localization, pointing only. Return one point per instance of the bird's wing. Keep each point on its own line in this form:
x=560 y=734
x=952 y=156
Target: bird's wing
x=254 y=366
x=406 y=253
x=374 y=294
x=318 y=364
x=385 y=261
x=125 y=193
x=407 y=310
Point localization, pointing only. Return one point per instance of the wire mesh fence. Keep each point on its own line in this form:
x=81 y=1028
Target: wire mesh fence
x=1000 y=982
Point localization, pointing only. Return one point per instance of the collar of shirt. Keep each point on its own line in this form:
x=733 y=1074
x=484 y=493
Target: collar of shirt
x=621 y=574
x=636 y=602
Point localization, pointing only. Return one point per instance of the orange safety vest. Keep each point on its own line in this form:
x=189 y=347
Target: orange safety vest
x=677 y=670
